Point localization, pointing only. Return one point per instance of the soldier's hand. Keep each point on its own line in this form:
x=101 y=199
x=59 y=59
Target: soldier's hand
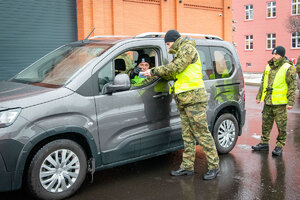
x=289 y=107
x=135 y=72
x=147 y=73
x=257 y=101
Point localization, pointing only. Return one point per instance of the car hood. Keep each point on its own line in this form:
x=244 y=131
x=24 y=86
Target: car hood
x=21 y=95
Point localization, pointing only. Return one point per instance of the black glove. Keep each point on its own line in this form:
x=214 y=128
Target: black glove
x=134 y=72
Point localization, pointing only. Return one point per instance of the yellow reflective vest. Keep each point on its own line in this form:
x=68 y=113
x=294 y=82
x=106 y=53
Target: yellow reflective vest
x=279 y=88
x=190 y=78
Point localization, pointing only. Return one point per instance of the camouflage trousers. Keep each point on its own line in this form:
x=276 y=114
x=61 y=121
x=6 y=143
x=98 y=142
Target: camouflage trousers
x=194 y=128
x=269 y=114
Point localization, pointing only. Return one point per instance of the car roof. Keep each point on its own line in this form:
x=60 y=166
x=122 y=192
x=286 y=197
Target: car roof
x=200 y=39
x=113 y=39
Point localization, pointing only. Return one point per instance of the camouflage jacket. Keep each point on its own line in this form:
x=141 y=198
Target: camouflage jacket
x=182 y=59
x=290 y=80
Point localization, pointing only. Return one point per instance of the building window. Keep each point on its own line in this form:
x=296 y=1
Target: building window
x=271 y=9
x=295 y=7
x=271 y=41
x=249 y=12
x=296 y=40
x=248 y=42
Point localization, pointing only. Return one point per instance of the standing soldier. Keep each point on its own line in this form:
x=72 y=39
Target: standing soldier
x=191 y=99
x=298 y=71
x=277 y=89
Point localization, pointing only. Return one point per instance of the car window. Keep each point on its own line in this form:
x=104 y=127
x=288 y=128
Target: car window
x=133 y=56
x=222 y=62
x=124 y=64
x=105 y=75
x=207 y=69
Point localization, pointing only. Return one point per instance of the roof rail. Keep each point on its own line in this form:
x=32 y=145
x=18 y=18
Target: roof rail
x=159 y=34
x=150 y=34
x=211 y=37
x=108 y=36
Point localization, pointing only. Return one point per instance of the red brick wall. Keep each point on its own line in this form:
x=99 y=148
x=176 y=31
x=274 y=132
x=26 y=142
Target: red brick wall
x=132 y=17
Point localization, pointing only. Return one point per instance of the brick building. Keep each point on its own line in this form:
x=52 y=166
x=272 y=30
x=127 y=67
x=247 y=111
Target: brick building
x=132 y=17
x=260 y=26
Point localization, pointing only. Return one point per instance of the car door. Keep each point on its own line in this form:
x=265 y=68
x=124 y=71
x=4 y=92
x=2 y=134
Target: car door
x=135 y=122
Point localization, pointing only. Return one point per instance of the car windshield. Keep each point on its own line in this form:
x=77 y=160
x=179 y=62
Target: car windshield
x=57 y=67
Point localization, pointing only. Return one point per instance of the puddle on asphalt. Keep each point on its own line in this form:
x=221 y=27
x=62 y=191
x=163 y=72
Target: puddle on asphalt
x=256 y=136
x=244 y=146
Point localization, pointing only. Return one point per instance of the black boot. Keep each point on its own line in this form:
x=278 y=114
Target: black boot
x=261 y=147
x=211 y=174
x=181 y=172
x=277 y=151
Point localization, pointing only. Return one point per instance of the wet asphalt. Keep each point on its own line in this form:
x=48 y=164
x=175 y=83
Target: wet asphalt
x=245 y=175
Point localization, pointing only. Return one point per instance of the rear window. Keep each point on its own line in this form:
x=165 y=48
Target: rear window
x=222 y=62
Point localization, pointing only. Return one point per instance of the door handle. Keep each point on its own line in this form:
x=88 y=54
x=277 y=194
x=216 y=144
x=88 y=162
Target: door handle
x=160 y=95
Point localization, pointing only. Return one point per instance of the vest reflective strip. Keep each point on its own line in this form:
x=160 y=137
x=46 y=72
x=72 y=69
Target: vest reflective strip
x=190 y=78
x=280 y=88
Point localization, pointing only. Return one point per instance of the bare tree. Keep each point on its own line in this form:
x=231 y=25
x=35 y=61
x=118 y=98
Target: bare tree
x=293 y=24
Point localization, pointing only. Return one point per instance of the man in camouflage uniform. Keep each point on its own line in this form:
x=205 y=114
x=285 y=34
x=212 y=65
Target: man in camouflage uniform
x=191 y=103
x=298 y=71
x=277 y=89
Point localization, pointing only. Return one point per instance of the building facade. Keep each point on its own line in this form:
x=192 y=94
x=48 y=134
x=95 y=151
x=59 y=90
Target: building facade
x=132 y=17
x=261 y=25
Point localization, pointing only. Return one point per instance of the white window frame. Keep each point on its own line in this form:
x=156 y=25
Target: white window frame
x=248 y=41
x=271 y=37
x=271 y=8
x=249 y=12
x=296 y=4
x=295 y=36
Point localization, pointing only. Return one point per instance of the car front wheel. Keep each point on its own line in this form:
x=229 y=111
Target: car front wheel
x=225 y=133
x=57 y=170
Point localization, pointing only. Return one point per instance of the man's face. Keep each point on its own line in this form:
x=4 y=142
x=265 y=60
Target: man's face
x=144 y=66
x=169 y=44
x=276 y=56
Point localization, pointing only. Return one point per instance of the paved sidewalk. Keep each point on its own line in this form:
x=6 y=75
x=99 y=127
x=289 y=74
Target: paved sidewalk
x=252 y=78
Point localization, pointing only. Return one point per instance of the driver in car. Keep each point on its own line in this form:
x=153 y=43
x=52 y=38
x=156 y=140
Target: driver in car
x=136 y=77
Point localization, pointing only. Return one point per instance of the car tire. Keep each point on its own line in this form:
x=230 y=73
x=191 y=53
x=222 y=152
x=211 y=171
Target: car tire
x=226 y=131
x=57 y=170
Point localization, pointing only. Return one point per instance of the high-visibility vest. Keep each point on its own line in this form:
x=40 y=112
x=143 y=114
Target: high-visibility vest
x=137 y=80
x=279 y=87
x=190 y=78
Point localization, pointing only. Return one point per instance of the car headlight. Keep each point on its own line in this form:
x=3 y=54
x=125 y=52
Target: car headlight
x=8 y=117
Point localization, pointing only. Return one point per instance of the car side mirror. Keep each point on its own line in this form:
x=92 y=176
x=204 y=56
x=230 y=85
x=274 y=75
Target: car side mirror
x=121 y=83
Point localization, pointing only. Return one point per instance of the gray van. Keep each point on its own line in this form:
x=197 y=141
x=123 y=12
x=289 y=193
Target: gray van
x=74 y=111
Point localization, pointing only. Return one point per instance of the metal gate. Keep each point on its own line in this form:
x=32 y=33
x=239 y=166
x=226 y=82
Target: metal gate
x=30 y=29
